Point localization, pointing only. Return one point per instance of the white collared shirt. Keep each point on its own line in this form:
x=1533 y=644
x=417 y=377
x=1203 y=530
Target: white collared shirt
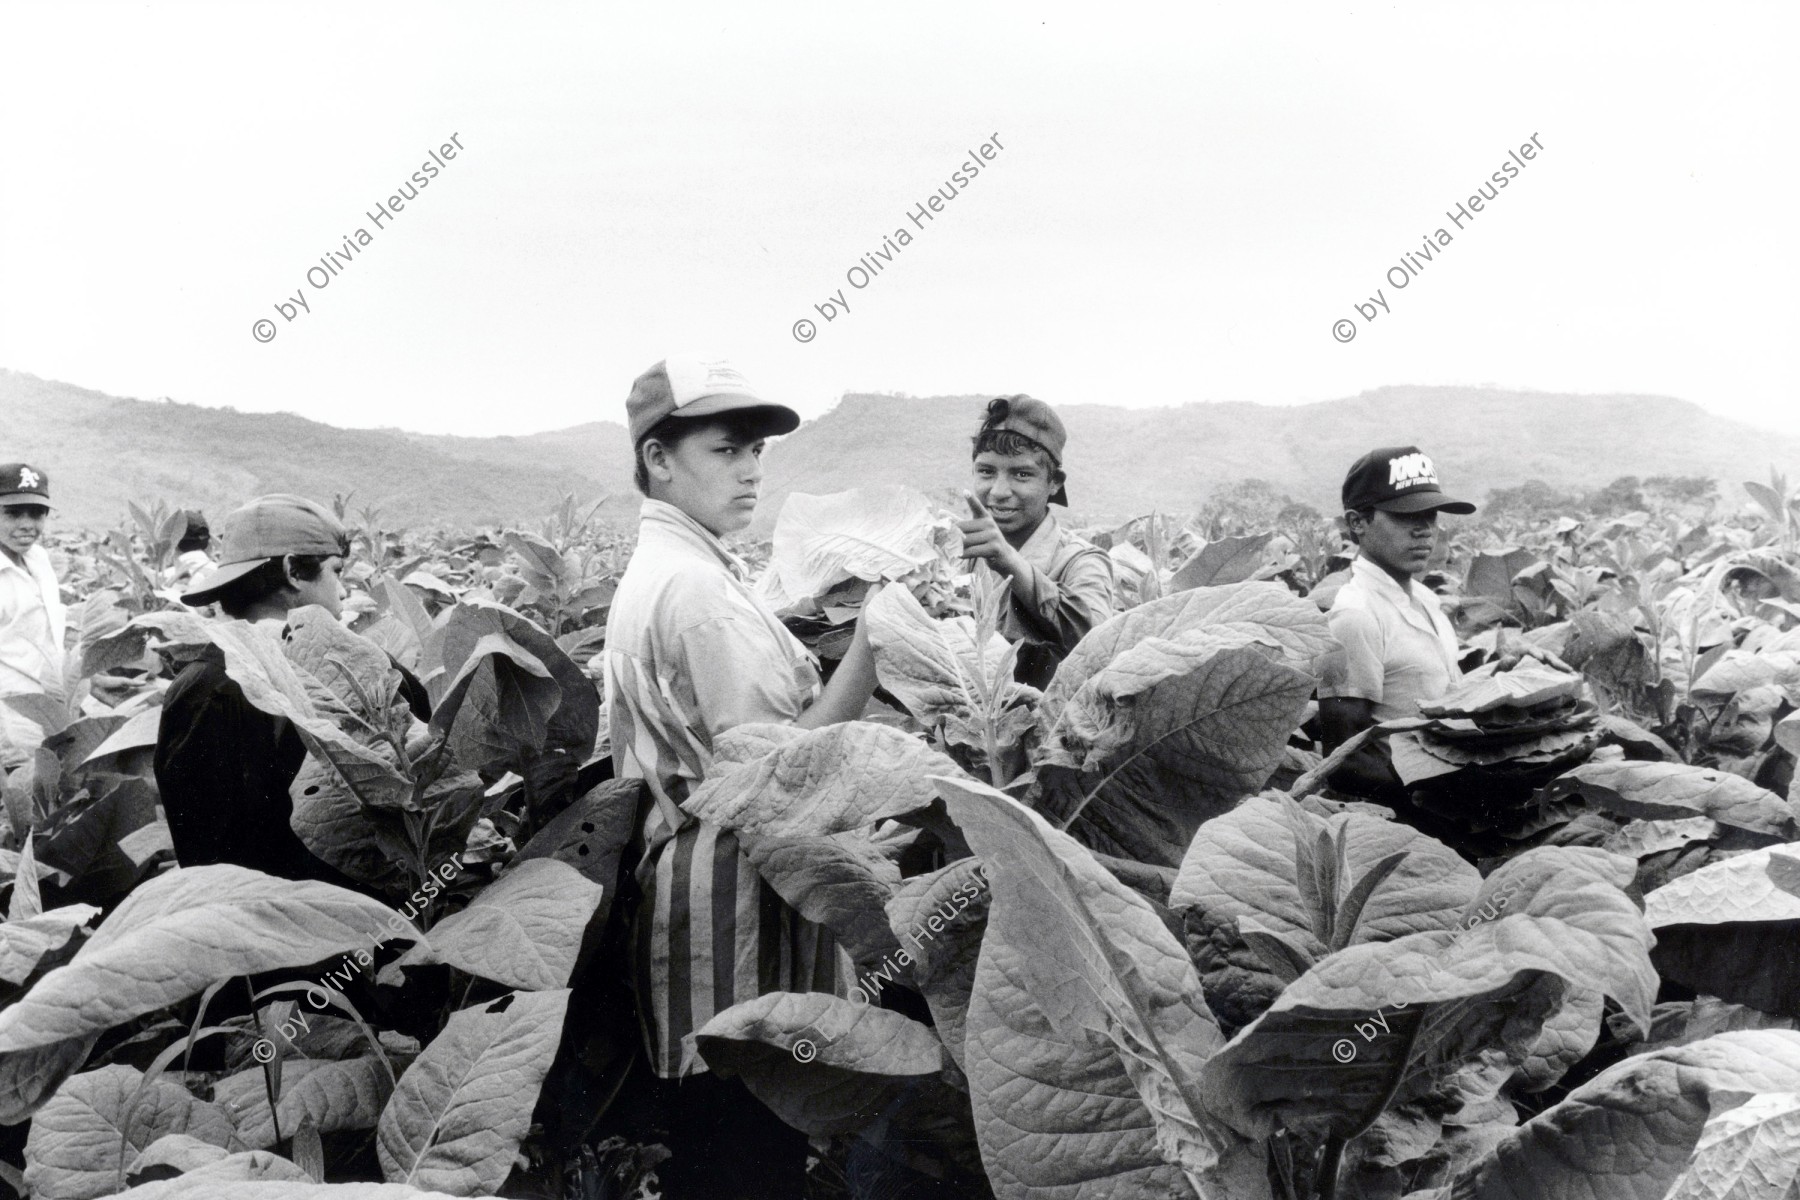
x=32 y=622
x=1398 y=647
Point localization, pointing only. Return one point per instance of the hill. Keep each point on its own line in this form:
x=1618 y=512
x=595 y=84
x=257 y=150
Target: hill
x=102 y=451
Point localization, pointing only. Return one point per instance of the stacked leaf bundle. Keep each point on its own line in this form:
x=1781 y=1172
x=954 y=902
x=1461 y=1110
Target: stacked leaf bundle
x=1476 y=758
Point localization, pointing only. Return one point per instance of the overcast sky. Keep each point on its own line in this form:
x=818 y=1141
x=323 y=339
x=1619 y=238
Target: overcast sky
x=1183 y=202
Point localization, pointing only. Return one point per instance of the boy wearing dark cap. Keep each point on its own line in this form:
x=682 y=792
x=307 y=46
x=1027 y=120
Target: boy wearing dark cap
x=32 y=616
x=222 y=765
x=1398 y=647
x=1061 y=586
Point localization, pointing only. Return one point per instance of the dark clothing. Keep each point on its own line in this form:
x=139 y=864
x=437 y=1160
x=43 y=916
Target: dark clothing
x=224 y=768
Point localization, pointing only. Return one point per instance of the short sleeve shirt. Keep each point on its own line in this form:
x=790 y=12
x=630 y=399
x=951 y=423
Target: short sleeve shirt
x=1398 y=647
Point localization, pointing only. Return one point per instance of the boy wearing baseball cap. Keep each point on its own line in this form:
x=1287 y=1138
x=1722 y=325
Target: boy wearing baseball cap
x=32 y=615
x=691 y=653
x=1398 y=647
x=222 y=765
x=1060 y=586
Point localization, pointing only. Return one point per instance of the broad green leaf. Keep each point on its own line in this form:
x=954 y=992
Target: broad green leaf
x=181 y=1151
x=929 y=666
x=1676 y=1023
x=1388 y=1023
x=1244 y=865
x=939 y=919
x=456 y=1119
x=1632 y=1129
x=72 y=1152
x=822 y=781
x=523 y=930
x=1086 y=1031
x=591 y=835
x=28 y=1077
x=498 y=706
x=1729 y=930
x=1228 y=560
x=1291 y=627
x=1568 y=1035
x=881 y=532
x=366 y=843
x=335 y=1095
x=1669 y=791
x=135 y=733
x=842 y=882
x=825 y=1065
x=257 y=663
x=24 y=943
x=82 y=839
x=1751 y=1152
x=573 y=720
x=183 y=930
x=1205 y=722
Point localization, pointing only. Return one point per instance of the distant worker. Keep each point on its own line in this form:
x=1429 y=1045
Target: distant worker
x=1061 y=586
x=32 y=616
x=1398 y=647
x=224 y=766
x=192 y=562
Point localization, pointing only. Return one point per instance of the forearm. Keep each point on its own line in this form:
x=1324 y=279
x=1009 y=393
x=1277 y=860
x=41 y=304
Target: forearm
x=845 y=697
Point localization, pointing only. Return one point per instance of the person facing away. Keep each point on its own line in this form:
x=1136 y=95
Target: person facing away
x=1059 y=586
x=32 y=615
x=1398 y=647
x=223 y=766
x=690 y=654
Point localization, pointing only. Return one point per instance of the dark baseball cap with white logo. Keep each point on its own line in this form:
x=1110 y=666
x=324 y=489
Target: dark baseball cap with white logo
x=1399 y=479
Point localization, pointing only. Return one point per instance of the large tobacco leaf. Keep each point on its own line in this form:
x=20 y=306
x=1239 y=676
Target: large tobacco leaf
x=842 y=882
x=869 y=533
x=458 y=1114
x=1383 y=1024
x=1752 y=1150
x=1289 y=627
x=591 y=835
x=73 y=1150
x=524 y=929
x=1653 y=791
x=25 y=943
x=825 y=1065
x=1633 y=1130
x=819 y=781
x=1170 y=733
x=1086 y=1032
x=183 y=930
x=1729 y=929
x=335 y=1096
x=939 y=919
x=929 y=666
x=1272 y=869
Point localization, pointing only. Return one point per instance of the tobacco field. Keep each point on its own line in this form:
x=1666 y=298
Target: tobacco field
x=1115 y=939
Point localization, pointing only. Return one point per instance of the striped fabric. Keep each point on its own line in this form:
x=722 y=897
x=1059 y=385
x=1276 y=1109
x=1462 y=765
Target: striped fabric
x=690 y=653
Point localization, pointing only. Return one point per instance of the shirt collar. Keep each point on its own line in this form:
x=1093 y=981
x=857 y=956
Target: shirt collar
x=660 y=514
x=1040 y=548
x=1374 y=577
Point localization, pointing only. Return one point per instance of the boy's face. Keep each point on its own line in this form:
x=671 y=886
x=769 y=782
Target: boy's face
x=1015 y=488
x=1398 y=543
x=327 y=591
x=21 y=525
x=712 y=476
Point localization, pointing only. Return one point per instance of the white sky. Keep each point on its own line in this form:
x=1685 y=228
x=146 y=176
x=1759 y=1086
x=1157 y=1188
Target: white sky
x=1185 y=202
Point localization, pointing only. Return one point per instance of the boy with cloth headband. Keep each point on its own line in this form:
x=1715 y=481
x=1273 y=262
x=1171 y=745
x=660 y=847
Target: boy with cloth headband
x=32 y=616
x=1061 y=586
